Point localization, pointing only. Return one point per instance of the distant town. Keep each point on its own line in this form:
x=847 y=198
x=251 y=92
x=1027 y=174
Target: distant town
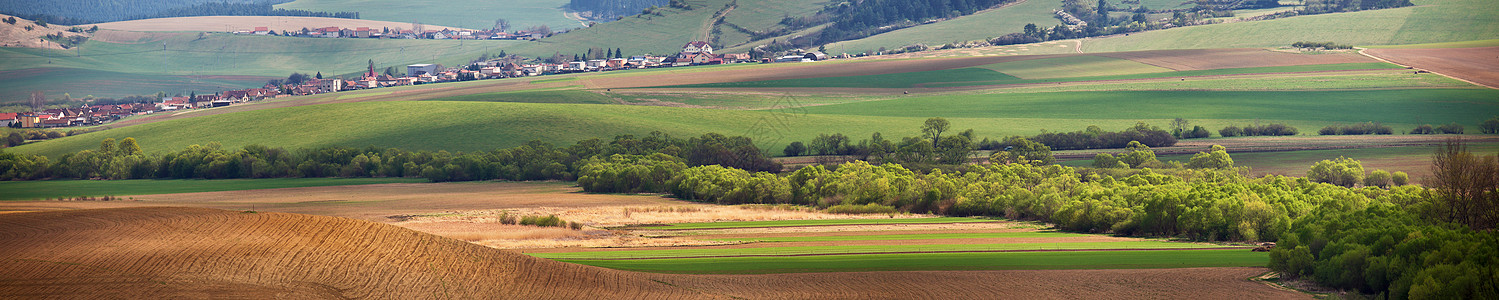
x=692 y=54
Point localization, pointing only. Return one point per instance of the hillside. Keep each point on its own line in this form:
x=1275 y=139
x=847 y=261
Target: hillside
x=1430 y=21
x=141 y=252
x=462 y=13
x=18 y=36
x=196 y=253
x=979 y=26
x=237 y=23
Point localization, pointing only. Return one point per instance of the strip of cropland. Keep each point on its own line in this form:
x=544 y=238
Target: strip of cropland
x=48 y=189
x=798 y=223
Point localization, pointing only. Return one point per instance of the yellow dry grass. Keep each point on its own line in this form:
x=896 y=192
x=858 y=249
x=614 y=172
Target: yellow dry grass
x=16 y=35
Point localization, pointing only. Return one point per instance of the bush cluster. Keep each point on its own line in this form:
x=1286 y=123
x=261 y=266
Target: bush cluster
x=1449 y=128
x=871 y=208
x=1356 y=129
x=1258 y=130
x=1320 y=45
x=1096 y=138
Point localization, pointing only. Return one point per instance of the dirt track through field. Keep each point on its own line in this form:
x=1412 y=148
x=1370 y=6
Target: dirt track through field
x=1475 y=65
x=198 y=253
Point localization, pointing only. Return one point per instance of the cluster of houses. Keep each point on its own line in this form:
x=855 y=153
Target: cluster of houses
x=80 y=116
x=399 y=33
x=694 y=53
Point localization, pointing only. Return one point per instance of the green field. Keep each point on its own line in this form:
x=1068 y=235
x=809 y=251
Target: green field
x=784 y=251
x=1073 y=66
x=432 y=125
x=756 y=224
x=1044 y=72
x=944 y=261
x=224 y=54
x=1430 y=21
x=541 y=96
x=927 y=236
x=979 y=26
x=33 y=190
x=1464 y=44
x=474 y=14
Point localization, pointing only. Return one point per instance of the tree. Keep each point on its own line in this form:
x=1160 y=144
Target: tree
x=128 y=146
x=1341 y=171
x=1021 y=150
x=1379 y=178
x=1179 y=127
x=107 y=147
x=38 y=100
x=1216 y=158
x=795 y=149
x=1467 y=184
x=1107 y=161
x=618 y=53
x=501 y=24
x=319 y=75
x=934 y=128
x=954 y=149
x=1491 y=126
x=1400 y=178
x=1138 y=155
x=14 y=139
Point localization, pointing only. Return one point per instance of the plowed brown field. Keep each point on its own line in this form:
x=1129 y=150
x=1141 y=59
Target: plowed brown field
x=207 y=253
x=1476 y=65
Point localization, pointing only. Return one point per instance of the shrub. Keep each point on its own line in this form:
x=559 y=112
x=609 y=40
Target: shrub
x=1400 y=178
x=1107 y=161
x=507 y=219
x=1269 y=130
x=1230 y=131
x=547 y=221
x=1423 y=129
x=1342 y=171
x=1379 y=178
x=1450 y=128
x=1490 y=126
x=1216 y=158
x=871 y=208
x=795 y=149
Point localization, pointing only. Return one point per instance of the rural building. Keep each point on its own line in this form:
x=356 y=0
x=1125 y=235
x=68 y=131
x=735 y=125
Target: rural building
x=262 y=31
x=815 y=56
x=697 y=47
x=793 y=58
x=419 y=69
x=8 y=118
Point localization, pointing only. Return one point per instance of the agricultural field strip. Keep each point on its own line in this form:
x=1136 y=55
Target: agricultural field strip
x=872 y=249
x=1053 y=260
x=798 y=223
x=946 y=78
x=35 y=190
x=918 y=236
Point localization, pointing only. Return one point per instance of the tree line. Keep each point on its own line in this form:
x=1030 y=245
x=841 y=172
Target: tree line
x=536 y=160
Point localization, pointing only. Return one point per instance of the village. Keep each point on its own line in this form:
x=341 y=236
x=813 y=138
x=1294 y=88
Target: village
x=693 y=54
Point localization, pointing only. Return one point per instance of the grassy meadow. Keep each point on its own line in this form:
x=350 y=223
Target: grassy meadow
x=479 y=126
x=1051 y=70
x=462 y=13
x=1059 y=260
x=1430 y=21
x=828 y=222
x=16 y=85
x=49 y=189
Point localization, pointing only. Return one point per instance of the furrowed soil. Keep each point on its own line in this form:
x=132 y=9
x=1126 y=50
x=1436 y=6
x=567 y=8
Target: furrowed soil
x=196 y=252
x=1476 y=65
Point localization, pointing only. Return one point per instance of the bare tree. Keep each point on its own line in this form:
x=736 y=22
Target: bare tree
x=1467 y=185
x=501 y=24
x=38 y=100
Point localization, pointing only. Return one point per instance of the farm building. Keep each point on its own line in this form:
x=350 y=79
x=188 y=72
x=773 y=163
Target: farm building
x=419 y=69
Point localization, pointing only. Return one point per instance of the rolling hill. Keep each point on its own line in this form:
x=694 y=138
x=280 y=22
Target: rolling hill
x=979 y=26
x=1430 y=21
x=197 y=253
x=236 y=23
x=463 y=13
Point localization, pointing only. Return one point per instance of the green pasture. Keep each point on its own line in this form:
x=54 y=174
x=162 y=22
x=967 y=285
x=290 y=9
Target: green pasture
x=1430 y=21
x=226 y=54
x=789 y=223
x=49 y=189
x=1353 y=80
x=1059 y=260
x=1043 y=72
x=475 y=14
x=1073 y=66
x=979 y=26
x=1306 y=110
x=784 y=251
x=538 y=96
x=924 y=236
x=634 y=35
x=482 y=126
x=1463 y=44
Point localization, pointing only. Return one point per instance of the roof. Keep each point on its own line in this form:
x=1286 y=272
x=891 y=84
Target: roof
x=8 y=116
x=698 y=44
x=262 y=29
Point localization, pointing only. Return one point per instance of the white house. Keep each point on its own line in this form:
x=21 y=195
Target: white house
x=697 y=47
x=419 y=69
